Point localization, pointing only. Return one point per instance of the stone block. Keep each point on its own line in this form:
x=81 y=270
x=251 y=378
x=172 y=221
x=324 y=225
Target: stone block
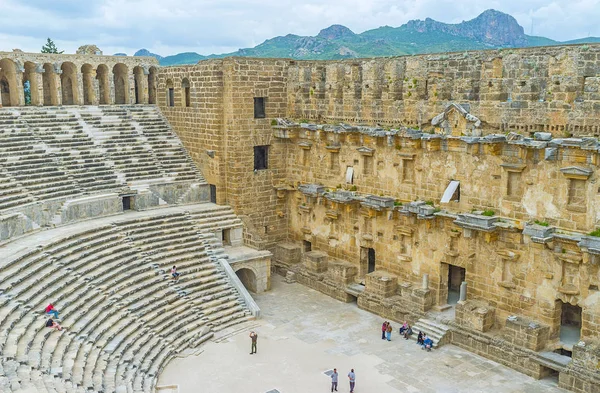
x=476 y=315
x=381 y=284
x=526 y=333
x=422 y=298
x=341 y=273
x=287 y=254
x=315 y=261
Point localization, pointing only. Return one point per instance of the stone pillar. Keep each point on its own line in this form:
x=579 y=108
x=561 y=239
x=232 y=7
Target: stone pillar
x=95 y=88
x=131 y=87
x=37 y=97
x=144 y=87
x=425 y=281
x=463 y=292
x=20 y=89
x=57 y=81
x=79 y=100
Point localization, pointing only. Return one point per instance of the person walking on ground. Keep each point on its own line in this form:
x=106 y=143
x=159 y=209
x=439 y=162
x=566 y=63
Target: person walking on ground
x=51 y=324
x=334 y=380
x=389 y=332
x=352 y=378
x=384 y=329
x=51 y=310
x=254 y=337
x=174 y=273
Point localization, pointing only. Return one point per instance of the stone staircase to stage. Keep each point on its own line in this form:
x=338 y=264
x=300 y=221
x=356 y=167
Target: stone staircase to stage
x=124 y=316
x=435 y=330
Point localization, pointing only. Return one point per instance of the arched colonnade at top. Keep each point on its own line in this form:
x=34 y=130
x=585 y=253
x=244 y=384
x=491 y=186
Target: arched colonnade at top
x=65 y=83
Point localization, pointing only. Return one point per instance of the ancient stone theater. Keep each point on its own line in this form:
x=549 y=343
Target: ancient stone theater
x=456 y=191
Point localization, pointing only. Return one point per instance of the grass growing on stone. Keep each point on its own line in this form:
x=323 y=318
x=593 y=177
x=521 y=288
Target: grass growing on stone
x=595 y=233
x=541 y=223
x=488 y=213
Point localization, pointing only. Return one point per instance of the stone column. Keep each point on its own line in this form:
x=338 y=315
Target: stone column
x=37 y=82
x=425 y=281
x=463 y=292
x=20 y=89
x=95 y=87
x=111 y=87
x=144 y=86
x=131 y=87
x=80 y=99
x=57 y=82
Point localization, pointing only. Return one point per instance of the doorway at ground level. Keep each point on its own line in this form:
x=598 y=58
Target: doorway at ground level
x=570 y=323
x=456 y=275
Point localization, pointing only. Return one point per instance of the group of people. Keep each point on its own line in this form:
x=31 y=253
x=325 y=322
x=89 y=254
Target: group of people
x=334 y=380
x=51 y=323
x=406 y=331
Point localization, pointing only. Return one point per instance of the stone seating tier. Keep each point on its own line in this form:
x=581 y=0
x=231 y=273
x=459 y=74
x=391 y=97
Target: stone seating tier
x=56 y=152
x=124 y=315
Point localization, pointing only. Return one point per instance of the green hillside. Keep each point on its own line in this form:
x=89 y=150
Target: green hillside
x=492 y=29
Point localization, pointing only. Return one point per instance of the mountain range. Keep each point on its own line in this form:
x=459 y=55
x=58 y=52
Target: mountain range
x=490 y=30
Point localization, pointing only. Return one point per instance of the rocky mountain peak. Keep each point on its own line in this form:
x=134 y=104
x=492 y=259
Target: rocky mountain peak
x=336 y=32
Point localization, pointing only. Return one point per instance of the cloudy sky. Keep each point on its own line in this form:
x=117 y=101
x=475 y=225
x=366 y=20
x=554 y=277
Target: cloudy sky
x=218 y=26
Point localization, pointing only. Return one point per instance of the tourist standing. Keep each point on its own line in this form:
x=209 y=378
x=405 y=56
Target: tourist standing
x=334 y=380
x=389 y=332
x=254 y=338
x=384 y=329
x=352 y=378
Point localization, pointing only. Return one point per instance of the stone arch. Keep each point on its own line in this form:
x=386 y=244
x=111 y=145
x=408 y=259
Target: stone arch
x=9 y=92
x=68 y=83
x=170 y=93
x=49 y=85
x=89 y=92
x=138 y=76
x=121 y=84
x=31 y=86
x=152 y=77
x=248 y=277
x=103 y=84
x=185 y=90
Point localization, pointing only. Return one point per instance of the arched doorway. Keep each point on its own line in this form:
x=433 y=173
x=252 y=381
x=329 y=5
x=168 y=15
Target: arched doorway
x=89 y=95
x=103 y=85
x=170 y=93
x=185 y=89
x=138 y=77
x=121 y=84
x=248 y=278
x=68 y=83
x=152 y=86
x=9 y=92
x=49 y=85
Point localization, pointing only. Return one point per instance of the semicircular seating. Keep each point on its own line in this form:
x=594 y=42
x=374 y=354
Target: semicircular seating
x=124 y=316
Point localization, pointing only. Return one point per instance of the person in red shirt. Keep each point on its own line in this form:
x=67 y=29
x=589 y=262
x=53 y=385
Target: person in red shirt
x=51 y=310
x=384 y=329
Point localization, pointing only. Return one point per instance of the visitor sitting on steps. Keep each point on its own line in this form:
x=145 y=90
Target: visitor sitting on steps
x=174 y=273
x=407 y=332
x=51 y=310
x=51 y=324
x=427 y=343
x=420 y=338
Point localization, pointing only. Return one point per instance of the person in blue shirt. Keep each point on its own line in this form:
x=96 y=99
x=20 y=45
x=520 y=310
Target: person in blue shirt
x=352 y=378
x=427 y=343
x=334 y=380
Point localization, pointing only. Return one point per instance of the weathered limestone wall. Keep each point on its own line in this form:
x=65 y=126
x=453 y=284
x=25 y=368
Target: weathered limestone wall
x=220 y=131
x=553 y=89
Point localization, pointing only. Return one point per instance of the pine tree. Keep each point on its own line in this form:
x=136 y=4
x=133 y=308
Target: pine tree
x=50 y=47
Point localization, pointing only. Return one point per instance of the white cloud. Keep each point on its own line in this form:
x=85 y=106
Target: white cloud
x=212 y=26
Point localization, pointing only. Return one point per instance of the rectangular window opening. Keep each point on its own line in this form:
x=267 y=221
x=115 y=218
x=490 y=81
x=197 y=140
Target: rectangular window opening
x=213 y=193
x=307 y=245
x=226 y=237
x=171 y=96
x=452 y=192
x=261 y=159
x=126 y=203
x=259 y=108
